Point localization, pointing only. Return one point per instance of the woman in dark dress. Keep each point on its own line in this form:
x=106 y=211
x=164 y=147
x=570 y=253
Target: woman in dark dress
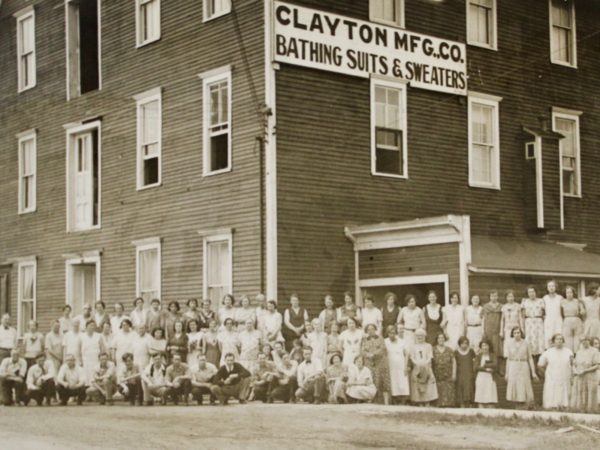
x=294 y=319
x=210 y=344
x=444 y=369
x=465 y=373
x=206 y=314
x=433 y=318
x=390 y=311
x=178 y=342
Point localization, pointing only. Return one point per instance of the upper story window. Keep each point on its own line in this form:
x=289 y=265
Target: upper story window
x=27 y=171
x=481 y=23
x=217 y=120
x=563 y=44
x=484 y=141
x=388 y=129
x=148 y=279
x=147 y=21
x=567 y=124
x=216 y=8
x=149 y=137
x=26 y=64
x=387 y=11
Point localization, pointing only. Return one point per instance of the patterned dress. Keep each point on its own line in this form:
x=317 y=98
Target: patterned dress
x=443 y=363
x=492 y=314
x=534 y=324
x=423 y=388
x=377 y=361
x=511 y=313
x=584 y=394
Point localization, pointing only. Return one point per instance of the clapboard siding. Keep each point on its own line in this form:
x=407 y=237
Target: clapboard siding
x=186 y=202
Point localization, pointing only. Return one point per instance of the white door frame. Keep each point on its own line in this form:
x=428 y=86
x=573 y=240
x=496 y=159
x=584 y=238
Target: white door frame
x=404 y=281
x=69 y=263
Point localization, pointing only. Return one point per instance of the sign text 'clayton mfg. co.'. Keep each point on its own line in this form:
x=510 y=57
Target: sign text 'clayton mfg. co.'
x=320 y=40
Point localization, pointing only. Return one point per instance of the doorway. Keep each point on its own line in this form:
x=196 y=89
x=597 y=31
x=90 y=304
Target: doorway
x=419 y=286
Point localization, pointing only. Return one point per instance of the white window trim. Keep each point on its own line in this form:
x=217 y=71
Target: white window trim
x=219 y=235
x=493 y=101
x=394 y=23
x=138 y=25
x=494 y=44
x=21 y=15
x=553 y=60
x=561 y=113
x=401 y=86
x=140 y=246
x=141 y=99
x=29 y=262
x=84 y=258
x=73 y=129
x=208 y=78
x=207 y=18
x=22 y=137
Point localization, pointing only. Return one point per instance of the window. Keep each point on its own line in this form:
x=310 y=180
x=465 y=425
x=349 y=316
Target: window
x=568 y=125
x=216 y=8
x=217 y=121
x=530 y=150
x=388 y=129
x=563 y=45
x=26 y=295
x=217 y=266
x=83 y=177
x=387 y=11
x=147 y=20
x=148 y=279
x=149 y=133
x=83 y=47
x=484 y=141
x=83 y=280
x=26 y=69
x=27 y=171
x=481 y=23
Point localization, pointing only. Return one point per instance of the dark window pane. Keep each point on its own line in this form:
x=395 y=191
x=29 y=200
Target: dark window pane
x=219 y=158
x=150 y=171
x=388 y=161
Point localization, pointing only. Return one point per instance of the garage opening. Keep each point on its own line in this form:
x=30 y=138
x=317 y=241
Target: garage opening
x=402 y=286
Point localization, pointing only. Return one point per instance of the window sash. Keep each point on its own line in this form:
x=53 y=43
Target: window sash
x=562 y=31
x=217 y=121
x=217 y=7
x=27 y=174
x=480 y=23
x=27 y=295
x=484 y=151
x=149 y=272
x=149 y=20
x=218 y=267
x=569 y=153
x=26 y=50
x=149 y=130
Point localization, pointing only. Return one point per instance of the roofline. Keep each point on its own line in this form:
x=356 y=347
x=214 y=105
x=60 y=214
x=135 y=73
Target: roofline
x=485 y=270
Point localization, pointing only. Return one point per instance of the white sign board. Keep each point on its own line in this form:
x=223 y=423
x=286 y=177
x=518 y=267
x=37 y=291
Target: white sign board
x=320 y=40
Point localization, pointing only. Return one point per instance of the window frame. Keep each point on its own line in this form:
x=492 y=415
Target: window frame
x=402 y=87
x=28 y=262
x=139 y=42
x=21 y=16
x=216 y=236
x=207 y=18
x=145 y=245
x=93 y=257
x=29 y=135
x=493 y=45
x=208 y=79
x=553 y=51
x=494 y=102
x=559 y=113
x=399 y=22
x=141 y=100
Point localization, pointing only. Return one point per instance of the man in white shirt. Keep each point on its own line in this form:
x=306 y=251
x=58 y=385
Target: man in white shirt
x=12 y=376
x=311 y=379
x=104 y=382
x=202 y=378
x=8 y=337
x=154 y=381
x=72 y=341
x=40 y=381
x=71 y=381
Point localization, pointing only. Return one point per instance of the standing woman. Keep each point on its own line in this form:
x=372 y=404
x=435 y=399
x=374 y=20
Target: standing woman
x=492 y=316
x=486 y=390
x=591 y=327
x=244 y=313
x=173 y=315
x=328 y=316
x=423 y=388
x=65 y=320
x=91 y=348
x=155 y=316
x=371 y=315
x=349 y=310
x=118 y=317
x=532 y=310
x=350 y=340
x=511 y=318
x=334 y=344
x=519 y=369
x=572 y=311
x=294 y=319
x=465 y=373
x=100 y=315
x=556 y=363
x=553 y=318
x=210 y=344
x=53 y=345
x=474 y=319
x=272 y=321
x=398 y=364
x=206 y=314
x=250 y=344
x=158 y=344
x=584 y=395
x=411 y=316
x=229 y=341
x=433 y=318
x=374 y=353
x=195 y=336
x=317 y=340
x=226 y=311
x=123 y=342
x=138 y=315
x=453 y=322
x=177 y=342
x=444 y=370
x=191 y=313
x=389 y=312
x=107 y=339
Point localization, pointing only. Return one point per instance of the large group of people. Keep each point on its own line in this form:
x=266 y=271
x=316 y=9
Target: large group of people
x=450 y=355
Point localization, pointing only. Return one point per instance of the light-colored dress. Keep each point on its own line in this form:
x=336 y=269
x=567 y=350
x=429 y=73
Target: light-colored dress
x=351 y=341
x=194 y=348
x=318 y=342
x=412 y=320
x=224 y=314
x=123 y=343
x=584 y=395
x=242 y=315
x=91 y=347
x=250 y=348
x=534 y=324
x=230 y=343
x=553 y=321
x=486 y=391
x=138 y=317
x=372 y=316
x=423 y=385
x=572 y=323
x=474 y=316
x=366 y=390
x=557 y=382
x=141 y=350
x=54 y=350
x=272 y=327
x=511 y=313
x=397 y=363
x=518 y=373
x=455 y=327
x=591 y=326
x=336 y=382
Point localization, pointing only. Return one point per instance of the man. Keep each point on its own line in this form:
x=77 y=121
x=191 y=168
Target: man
x=86 y=315
x=8 y=337
x=202 y=379
x=311 y=379
x=155 y=317
x=178 y=380
x=264 y=379
x=71 y=381
x=130 y=381
x=72 y=341
x=287 y=381
x=103 y=384
x=40 y=381
x=154 y=381
x=231 y=380
x=12 y=375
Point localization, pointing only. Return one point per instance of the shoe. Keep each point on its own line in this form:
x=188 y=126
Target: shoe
x=242 y=402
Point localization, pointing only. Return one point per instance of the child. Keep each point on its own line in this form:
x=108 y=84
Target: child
x=486 y=391
x=464 y=373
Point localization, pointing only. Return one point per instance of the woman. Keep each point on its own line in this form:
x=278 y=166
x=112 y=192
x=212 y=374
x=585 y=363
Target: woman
x=333 y=341
x=572 y=312
x=390 y=312
x=227 y=310
x=371 y=315
x=91 y=348
x=591 y=327
x=141 y=347
x=423 y=386
x=350 y=340
x=244 y=313
x=474 y=319
x=433 y=318
x=360 y=386
x=374 y=353
x=138 y=315
x=511 y=318
x=173 y=315
x=349 y=310
x=519 y=369
x=444 y=370
x=107 y=338
x=411 y=317
x=195 y=336
x=584 y=395
x=465 y=383
x=532 y=309
x=453 y=320
x=317 y=340
x=272 y=321
x=206 y=314
x=33 y=343
x=155 y=316
x=100 y=315
x=65 y=320
x=123 y=342
x=54 y=345
x=294 y=319
x=178 y=342
x=229 y=341
x=250 y=344
x=118 y=317
x=191 y=313
x=328 y=316
x=157 y=345
x=486 y=390
x=337 y=376
x=210 y=344
x=492 y=316
x=398 y=363
x=556 y=363
x=267 y=350
x=553 y=318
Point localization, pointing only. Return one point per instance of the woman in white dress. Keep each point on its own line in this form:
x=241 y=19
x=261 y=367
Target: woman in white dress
x=350 y=340
x=141 y=347
x=371 y=314
x=195 y=336
x=360 y=386
x=118 y=317
x=474 y=319
x=272 y=321
x=591 y=326
x=244 y=313
x=227 y=311
x=91 y=347
x=138 y=315
x=250 y=344
x=453 y=322
x=486 y=390
x=397 y=358
x=553 y=322
x=229 y=341
x=556 y=362
x=123 y=342
x=412 y=318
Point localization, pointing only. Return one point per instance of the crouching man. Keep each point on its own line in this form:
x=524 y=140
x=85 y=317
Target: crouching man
x=178 y=380
x=265 y=378
x=231 y=380
x=154 y=381
x=130 y=381
x=40 y=381
x=71 y=381
x=13 y=370
x=202 y=379
x=311 y=379
x=103 y=383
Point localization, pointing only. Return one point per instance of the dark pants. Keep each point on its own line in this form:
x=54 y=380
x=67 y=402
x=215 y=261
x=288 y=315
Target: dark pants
x=199 y=391
x=184 y=388
x=134 y=391
x=66 y=393
x=4 y=353
x=239 y=391
x=285 y=392
x=8 y=386
x=46 y=391
x=264 y=390
x=313 y=390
